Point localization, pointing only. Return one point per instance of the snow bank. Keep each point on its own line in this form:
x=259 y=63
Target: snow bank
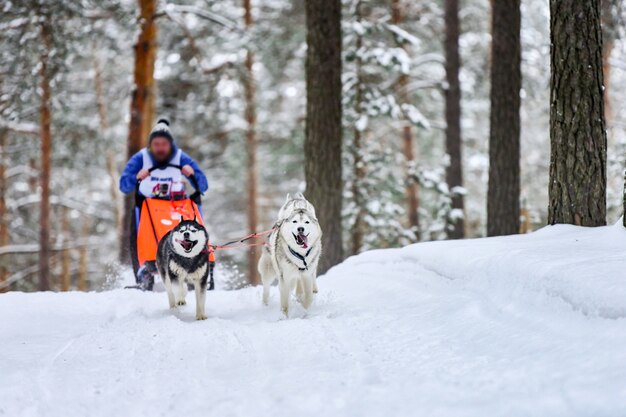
x=518 y=326
x=584 y=268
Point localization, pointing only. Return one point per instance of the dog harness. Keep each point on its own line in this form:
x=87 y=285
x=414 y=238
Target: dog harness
x=301 y=257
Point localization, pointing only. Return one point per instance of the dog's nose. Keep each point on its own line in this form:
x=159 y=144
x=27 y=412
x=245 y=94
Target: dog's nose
x=186 y=235
x=300 y=229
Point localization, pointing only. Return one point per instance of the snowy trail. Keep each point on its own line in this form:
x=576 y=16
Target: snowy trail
x=450 y=329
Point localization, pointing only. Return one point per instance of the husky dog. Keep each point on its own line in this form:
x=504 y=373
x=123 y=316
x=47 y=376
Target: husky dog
x=292 y=253
x=182 y=258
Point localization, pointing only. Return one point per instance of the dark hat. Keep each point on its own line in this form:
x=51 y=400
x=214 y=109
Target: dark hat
x=161 y=129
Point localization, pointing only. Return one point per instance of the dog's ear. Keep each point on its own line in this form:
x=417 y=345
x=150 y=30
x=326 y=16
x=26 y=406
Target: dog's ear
x=288 y=199
x=181 y=220
x=299 y=195
x=195 y=217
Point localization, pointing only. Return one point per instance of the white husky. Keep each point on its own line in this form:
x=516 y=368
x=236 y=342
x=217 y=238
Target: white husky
x=292 y=253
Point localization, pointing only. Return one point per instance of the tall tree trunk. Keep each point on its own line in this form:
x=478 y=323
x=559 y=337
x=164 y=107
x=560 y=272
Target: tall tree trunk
x=150 y=106
x=145 y=54
x=607 y=50
x=577 y=187
x=610 y=23
x=503 y=196
x=411 y=188
x=322 y=145
x=251 y=147
x=358 y=229
x=4 y=227
x=83 y=282
x=66 y=256
x=46 y=150
x=454 y=171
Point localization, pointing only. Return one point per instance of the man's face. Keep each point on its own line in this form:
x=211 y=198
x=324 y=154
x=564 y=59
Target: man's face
x=161 y=148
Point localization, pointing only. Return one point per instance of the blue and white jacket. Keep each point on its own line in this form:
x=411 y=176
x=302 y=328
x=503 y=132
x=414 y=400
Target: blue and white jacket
x=144 y=159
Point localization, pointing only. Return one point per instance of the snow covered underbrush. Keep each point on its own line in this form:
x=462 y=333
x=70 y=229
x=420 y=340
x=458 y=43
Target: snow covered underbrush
x=531 y=325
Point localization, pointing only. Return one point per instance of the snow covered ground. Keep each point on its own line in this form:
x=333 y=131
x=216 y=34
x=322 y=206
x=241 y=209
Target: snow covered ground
x=530 y=325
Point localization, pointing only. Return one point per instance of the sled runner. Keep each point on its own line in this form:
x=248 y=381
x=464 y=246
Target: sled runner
x=161 y=203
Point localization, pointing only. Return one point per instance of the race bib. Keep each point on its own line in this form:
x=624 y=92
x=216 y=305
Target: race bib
x=160 y=183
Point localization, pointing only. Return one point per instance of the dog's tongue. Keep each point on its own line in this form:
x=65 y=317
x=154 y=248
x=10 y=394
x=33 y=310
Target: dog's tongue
x=302 y=240
x=186 y=244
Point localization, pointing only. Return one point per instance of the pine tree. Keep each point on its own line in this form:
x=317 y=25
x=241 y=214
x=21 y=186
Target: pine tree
x=46 y=151
x=322 y=147
x=454 y=172
x=143 y=94
x=376 y=68
x=411 y=187
x=358 y=164
x=4 y=224
x=251 y=150
x=577 y=186
x=503 y=198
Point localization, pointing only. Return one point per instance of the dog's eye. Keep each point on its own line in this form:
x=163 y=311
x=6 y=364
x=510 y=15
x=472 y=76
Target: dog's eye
x=306 y=222
x=295 y=221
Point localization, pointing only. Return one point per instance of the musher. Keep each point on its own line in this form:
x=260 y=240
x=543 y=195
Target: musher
x=155 y=171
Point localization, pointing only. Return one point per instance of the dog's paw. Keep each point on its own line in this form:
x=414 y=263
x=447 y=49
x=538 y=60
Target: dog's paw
x=181 y=302
x=201 y=317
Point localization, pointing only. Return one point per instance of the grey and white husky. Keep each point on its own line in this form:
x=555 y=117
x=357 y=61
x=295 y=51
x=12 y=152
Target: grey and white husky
x=182 y=258
x=292 y=253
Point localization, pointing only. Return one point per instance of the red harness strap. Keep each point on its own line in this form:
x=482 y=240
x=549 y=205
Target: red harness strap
x=239 y=243
x=242 y=245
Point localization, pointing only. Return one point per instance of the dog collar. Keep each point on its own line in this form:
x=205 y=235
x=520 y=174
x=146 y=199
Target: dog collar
x=301 y=257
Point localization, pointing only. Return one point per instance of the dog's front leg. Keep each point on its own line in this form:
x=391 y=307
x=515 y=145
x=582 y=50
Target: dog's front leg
x=170 y=292
x=266 y=270
x=182 y=292
x=307 y=290
x=200 y=300
x=266 y=292
x=313 y=274
x=299 y=290
x=285 y=292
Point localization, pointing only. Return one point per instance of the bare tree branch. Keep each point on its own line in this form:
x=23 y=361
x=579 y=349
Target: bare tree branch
x=203 y=13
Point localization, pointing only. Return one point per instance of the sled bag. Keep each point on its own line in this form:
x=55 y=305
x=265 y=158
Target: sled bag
x=157 y=218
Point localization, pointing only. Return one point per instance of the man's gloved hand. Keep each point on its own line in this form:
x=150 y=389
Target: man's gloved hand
x=187 y=170
x=141 y=175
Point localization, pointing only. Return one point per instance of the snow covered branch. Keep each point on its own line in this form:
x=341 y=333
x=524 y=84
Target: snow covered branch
x=32 y=248
x=20 y=127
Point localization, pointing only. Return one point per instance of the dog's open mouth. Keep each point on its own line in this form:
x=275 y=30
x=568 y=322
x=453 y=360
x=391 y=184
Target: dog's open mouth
x=186 y=244
x=301 y=240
